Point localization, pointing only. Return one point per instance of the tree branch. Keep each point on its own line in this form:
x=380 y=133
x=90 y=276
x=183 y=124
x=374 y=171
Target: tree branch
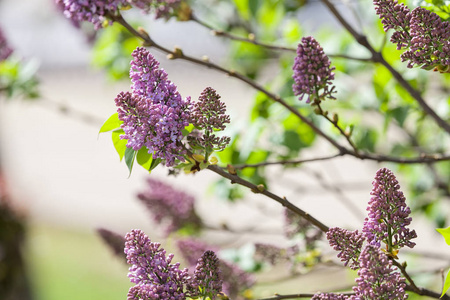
x=234 y=178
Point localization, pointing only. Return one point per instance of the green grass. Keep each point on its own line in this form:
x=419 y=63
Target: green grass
x=71 y=265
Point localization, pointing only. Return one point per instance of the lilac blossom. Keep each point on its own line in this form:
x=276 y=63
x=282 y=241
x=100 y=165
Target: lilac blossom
x=297 y=225
x=152 y=272
x=422 y=33
x=114 y=240
x=377 y=278
x=430 y=40
x=153 y=114
x=388 y=214
x=348 y=243
x=208 y=115
x=168 y=206
x=235 y=280
x=94 y=11
x=5 y=50
x=271 y=253
x=162 y=8
x=395 y=16
x=207 y=280
x=192 y=249
x=329 y=296
x=312 y=72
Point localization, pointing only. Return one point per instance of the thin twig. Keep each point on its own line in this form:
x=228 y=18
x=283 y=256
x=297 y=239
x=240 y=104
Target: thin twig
x=297 y=296
x=335 y=123
x=251 y=39
x=286 y=162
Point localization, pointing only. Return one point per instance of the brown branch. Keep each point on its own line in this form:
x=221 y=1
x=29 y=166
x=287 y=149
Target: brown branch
x=429 y=159
x=412 y=287
x=234 y=178
x=378 y=57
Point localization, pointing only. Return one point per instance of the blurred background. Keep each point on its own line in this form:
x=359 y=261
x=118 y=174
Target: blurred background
x=64 y=180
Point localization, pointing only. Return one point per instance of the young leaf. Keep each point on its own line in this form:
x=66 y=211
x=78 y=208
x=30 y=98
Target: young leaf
x=188 y=129
x=119 y=144
x=155 y=163
x=446 y=284
x=130 y=156
x=144 y=158
x=445 y=233
x=112 y=123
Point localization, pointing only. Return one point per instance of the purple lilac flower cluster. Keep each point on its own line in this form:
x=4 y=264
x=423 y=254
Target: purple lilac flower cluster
x=169 y=206
x=191 y=249
x=114 y=240
x=423 y=34
x=208 y=115
x=94 y=11
x=5 y=50
x=388 y=214
x=235 y=280
x=329 y=296
x=153 y=114
x=312 y=72
x=273 y=254
x=377 y=279
x=162 y=8
x=152 y=272
x=375 y=264
x=348 y=243
x=296 y=225
x=207 y=280
x=387 y=222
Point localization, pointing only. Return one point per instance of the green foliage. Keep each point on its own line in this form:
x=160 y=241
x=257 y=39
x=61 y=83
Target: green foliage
x=445 y=232
x=112 y=51
x=18 y=78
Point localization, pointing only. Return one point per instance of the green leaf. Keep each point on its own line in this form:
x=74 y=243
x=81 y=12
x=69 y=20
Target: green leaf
x=155 y=163
x=446 y=284
x=242 y=8
x=144 y=158
x=400 y=114
x=445 y=233
x=130 y=156
x=112 y=123
x=188 y=129
x=292 y=140
x=119 y=144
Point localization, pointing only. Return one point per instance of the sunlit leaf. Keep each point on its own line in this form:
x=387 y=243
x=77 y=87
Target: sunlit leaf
x=119 y=144
x=144 y=158
x=445 y=233
x=112 y=123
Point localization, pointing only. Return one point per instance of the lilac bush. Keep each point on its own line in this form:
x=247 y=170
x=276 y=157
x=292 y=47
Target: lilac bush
x=156 y=120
